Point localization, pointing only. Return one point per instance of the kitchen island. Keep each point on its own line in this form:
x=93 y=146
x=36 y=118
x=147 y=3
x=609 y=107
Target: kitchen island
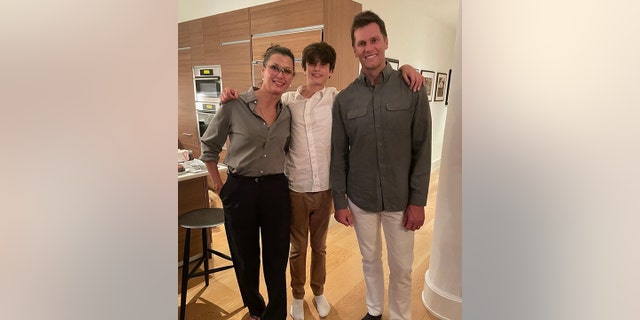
x=192 y=194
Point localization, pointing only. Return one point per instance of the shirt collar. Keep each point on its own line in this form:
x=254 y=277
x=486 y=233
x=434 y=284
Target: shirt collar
x=250 y=99
x=384 y=75
x=299 y=95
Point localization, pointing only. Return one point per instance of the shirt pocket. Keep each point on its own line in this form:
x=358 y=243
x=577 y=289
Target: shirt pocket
x=356 y=113
x=398 y=115
x=397 y=106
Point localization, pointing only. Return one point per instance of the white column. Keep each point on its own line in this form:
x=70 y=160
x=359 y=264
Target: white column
x=442 y=294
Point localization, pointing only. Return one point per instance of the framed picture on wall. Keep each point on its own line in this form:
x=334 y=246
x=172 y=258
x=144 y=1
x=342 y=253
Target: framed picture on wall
x=446 y=101
x=395 y=63
x=441 y=86
x=429 y=80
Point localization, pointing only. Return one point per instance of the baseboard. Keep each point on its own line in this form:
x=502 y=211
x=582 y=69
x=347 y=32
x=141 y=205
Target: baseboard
x=435 y=165
x=441 y=304
x=192 y=259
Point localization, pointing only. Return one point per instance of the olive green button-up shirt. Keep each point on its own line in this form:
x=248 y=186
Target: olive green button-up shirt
x=255 y=149
x=381 y=144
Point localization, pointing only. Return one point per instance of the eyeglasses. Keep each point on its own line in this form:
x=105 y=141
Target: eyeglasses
x=276 y=69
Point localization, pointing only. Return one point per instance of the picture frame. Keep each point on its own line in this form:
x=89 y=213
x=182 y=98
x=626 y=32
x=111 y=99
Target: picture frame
x=441 y=86
x=395 y=63
x=429 y=81
x=446 y=100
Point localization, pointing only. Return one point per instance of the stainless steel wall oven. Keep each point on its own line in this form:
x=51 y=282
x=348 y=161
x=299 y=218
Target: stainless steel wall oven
x=207 y=87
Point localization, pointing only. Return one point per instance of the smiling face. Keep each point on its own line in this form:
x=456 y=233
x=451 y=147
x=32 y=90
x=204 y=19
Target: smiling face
x=369 y=47
x=317 y=73
x=277 y=74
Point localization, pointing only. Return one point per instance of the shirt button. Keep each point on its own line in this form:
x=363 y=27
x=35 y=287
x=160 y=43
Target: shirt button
x=261 y=171
x=264 y=156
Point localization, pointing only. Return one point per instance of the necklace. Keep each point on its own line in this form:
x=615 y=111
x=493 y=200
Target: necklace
x=262 y=114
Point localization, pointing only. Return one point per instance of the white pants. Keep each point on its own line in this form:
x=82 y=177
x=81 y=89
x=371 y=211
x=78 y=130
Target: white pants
x=399 y=255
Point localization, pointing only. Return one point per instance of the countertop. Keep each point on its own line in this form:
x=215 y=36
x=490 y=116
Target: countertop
x=196 y=174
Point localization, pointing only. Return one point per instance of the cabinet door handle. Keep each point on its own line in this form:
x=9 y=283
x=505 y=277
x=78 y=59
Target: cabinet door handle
x=187 y=134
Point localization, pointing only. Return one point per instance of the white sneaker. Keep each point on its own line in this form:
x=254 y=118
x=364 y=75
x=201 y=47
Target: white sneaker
x=297 y=309
x=322 y=305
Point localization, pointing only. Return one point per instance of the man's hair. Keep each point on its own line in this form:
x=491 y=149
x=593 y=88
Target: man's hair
x=364 y=18
x=319 y=52
x=276 y=48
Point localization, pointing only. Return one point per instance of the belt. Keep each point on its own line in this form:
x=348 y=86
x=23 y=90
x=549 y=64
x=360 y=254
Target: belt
x=277 y=176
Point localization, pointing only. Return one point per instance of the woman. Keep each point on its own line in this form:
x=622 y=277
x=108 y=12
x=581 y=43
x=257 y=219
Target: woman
x=256 y=194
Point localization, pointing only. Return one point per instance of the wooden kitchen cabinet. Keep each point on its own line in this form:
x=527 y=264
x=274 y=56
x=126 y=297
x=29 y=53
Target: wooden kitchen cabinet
x=235 y=61
x=196 y=42
x=183 y=35
x=211 y=40
x=235 y=49
x=286 y=14
x=294 y=41
x=188 y=137
x=234 y=26
x=338 y=17
x=334 y=16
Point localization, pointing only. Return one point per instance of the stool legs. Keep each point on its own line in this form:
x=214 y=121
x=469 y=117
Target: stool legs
x=205 y=254
x=188 y=272
x=185 y=274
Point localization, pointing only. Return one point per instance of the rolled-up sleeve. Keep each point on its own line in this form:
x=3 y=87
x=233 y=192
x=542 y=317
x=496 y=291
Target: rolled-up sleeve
x=215 y=136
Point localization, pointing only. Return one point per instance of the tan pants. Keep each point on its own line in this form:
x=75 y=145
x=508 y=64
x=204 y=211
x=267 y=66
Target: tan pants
x=310 y=214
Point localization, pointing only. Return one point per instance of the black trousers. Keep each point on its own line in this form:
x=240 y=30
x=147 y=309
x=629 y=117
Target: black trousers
x=254 y=208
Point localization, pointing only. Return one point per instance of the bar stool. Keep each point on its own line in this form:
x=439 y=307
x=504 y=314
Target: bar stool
x=204 y=219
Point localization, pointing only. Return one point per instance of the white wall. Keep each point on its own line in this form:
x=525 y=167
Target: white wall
x=414 y=38
x=419 y=40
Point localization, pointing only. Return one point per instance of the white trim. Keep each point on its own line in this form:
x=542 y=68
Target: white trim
x=228 y=43
x=184 y=48
x=288 y=31
x=192 y=259
x=441 y=304
x=435 y=165
x=437 y=315
x=441 y=293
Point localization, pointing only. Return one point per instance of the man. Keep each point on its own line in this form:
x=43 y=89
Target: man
x=380 y=166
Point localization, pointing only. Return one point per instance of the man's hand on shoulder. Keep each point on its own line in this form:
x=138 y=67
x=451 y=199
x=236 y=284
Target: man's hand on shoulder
x=412 y=77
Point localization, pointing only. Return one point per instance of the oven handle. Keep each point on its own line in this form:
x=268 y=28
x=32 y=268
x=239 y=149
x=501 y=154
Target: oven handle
x=215 y=78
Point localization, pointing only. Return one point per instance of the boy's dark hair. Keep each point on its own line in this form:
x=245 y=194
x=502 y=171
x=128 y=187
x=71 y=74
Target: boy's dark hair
x=319 y=52
x=364 y=18
x=276 y=48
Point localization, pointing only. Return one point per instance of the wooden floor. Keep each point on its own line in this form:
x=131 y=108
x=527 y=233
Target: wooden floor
x=344 y=288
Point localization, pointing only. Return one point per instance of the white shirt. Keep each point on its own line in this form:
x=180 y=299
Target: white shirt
x=307 y=164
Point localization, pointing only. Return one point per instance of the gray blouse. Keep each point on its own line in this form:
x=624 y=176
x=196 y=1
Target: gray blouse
x=255 y=149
